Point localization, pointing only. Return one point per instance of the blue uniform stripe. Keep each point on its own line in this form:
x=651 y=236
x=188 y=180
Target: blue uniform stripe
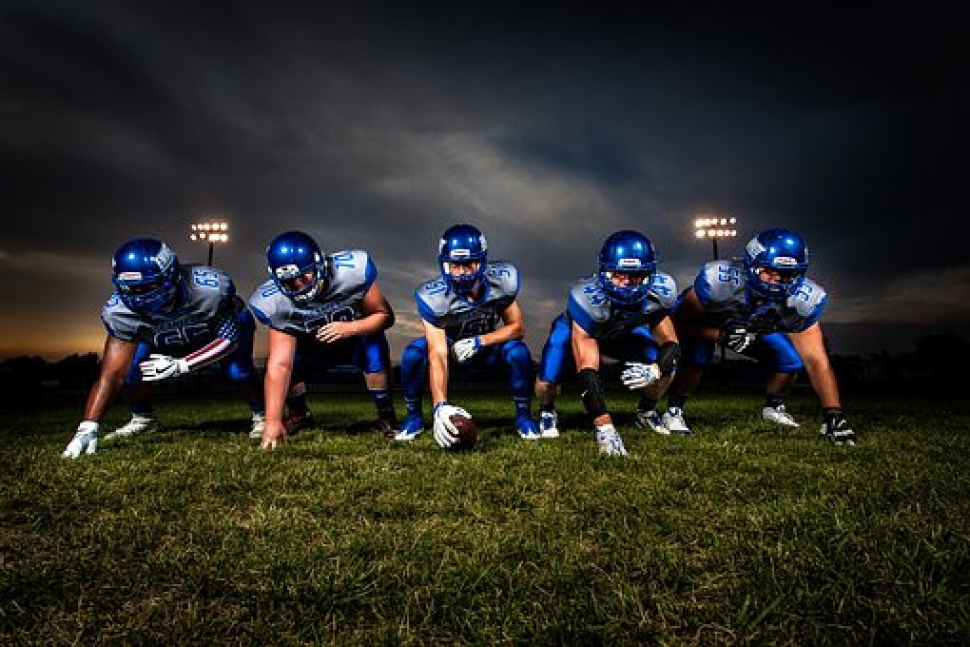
x=578 y=314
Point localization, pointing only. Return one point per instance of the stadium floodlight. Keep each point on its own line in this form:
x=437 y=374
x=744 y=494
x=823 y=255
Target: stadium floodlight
x=210 y=232
x=715 y=228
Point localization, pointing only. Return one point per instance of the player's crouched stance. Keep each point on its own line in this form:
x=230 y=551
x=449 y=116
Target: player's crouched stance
x=761 y=306
x=621 y=311
x=166 y=320
x=322 y=310
x=472 y=310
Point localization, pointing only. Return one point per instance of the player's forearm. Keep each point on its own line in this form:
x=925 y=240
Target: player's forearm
x=214 y=351
x=438 y=376
x=373 y=323
x=275 y=386
x=102 y=394
x=502 y=335
x=823 y=380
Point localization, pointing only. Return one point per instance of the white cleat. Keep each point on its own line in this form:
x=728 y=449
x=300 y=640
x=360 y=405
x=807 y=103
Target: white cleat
x=138 y=424
x=673 y=421
x=549 y=424
x=610 y=443
x=259 y=424
x=650 y=420
x=779 y=416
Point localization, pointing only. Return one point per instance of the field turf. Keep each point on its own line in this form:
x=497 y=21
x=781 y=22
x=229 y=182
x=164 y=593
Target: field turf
x=743 y=533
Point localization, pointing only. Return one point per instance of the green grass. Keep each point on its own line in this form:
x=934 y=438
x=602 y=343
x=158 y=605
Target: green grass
x=739 y=534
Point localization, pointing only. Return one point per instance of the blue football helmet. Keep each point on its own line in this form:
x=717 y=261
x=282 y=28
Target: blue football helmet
x=782 y=251
x=145 y=273
x=292 y=256
x=629 y=252
x=461 y=244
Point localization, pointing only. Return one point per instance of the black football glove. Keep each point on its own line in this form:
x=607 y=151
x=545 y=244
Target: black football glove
x=737 y=338
x=836 y=428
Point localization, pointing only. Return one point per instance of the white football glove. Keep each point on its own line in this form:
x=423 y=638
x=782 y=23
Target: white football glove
x=161 y=367
x=85 y=441
x=638 y=376
x=445 y=432
x=465 y=349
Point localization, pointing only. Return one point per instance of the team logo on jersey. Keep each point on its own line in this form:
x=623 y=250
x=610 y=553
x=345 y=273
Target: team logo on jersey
x=290 y=271
x=628 y=263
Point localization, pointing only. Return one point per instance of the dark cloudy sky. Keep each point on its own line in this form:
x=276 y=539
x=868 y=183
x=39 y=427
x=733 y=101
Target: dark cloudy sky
x=377 y=125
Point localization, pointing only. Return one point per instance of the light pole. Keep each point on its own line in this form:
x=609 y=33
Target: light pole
x=714 y=228
x=211 y=232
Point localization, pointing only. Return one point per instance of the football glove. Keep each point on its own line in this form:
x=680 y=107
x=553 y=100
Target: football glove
x=737 y=338
x=465 y=349
x=836 y=428
x=162 y=367
x=85 y=441
x=445 y=432
x=638 y=376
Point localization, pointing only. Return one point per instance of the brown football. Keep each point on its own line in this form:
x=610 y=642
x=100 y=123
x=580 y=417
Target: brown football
x=467 y=432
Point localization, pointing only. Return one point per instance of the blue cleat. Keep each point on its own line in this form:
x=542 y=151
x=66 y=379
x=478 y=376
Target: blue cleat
x=411 y=428
x=527 y=428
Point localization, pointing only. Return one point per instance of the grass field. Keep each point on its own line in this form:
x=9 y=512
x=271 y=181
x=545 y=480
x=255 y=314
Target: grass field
x=739 y=534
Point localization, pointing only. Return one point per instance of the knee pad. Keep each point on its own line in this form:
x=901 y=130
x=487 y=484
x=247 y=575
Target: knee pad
x=668 y=357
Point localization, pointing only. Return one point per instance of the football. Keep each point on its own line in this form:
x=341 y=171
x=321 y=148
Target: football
x=467 y=432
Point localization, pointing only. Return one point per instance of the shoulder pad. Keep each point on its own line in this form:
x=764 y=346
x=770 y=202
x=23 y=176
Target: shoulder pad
x=432 y=299
x=503 y=276
x=664 y=289
x=269 y=304
x=808 y=299
x=119 y=320
x=718 y=282
x=588 y=301
x=352 y=269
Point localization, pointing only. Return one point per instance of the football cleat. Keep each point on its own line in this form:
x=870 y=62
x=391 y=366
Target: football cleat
x=549 y=424
x=673 y=421
x=527 y=428
x=296 y=421
x=138 y=424
x=650 y=420
x=387 y=426
x=779 y=416
x=259 y=424
x=610 y=442
x=412 y=427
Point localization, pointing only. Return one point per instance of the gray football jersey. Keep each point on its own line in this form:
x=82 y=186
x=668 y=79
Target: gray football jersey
x=351 y=275
x=589 y=307
x=441 y=306
x=721 y=289
x=208 y=294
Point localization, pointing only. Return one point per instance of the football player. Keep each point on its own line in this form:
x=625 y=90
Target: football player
x=165 y=320
x=761 y=305
x=620 y=312
x=471 y=311
x=322 y=310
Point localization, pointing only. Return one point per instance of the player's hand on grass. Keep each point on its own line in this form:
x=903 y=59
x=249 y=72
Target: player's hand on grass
x=274 y=434
x=836 y=429
x=85 y=441
x=161 y=367
x=335 y=331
